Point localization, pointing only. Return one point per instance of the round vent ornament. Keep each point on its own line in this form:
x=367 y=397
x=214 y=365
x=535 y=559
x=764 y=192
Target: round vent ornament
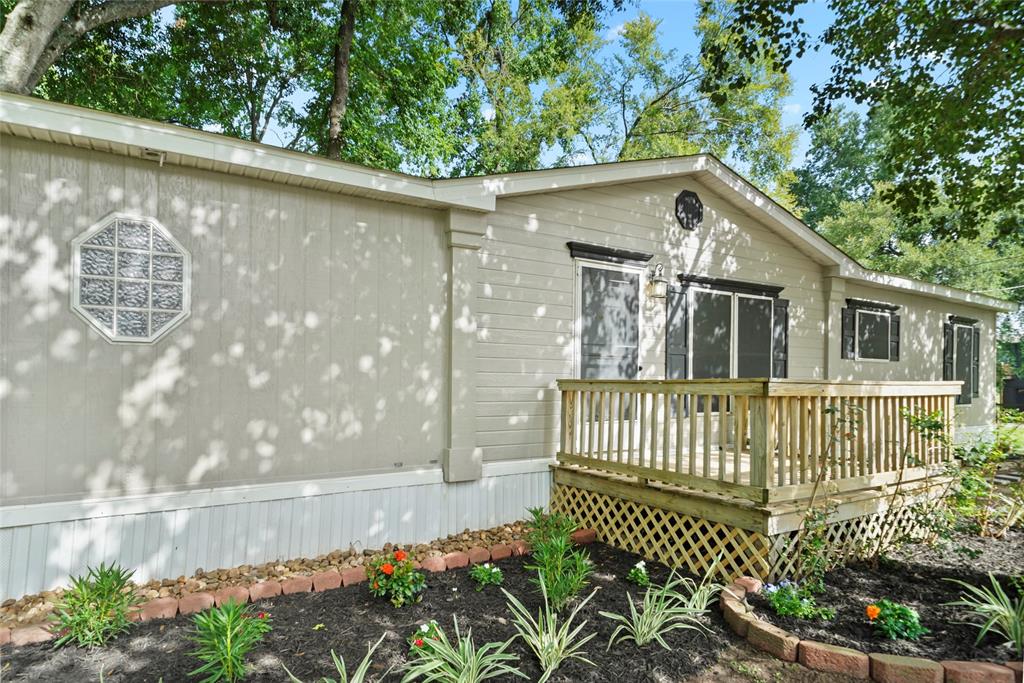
x=130 y=279
x=689 y=210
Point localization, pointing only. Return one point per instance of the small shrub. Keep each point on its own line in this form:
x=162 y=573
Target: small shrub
x=561 y=566
x=665 y=610
x=992 y=609
x=790 y=599
x=358 y=676
x=224 y=636
x=638 y=575
x=424 y=636
x=486 y=574
x=551 y=643
x=393 y=576
x=460 y=661
x=96 y=606
x=895 y=621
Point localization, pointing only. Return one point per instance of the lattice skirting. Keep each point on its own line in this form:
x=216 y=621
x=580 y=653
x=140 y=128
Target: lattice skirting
x=681 y=540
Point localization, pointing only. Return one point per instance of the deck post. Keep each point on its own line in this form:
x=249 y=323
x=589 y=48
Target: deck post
x=760 y=438
x=463 y=460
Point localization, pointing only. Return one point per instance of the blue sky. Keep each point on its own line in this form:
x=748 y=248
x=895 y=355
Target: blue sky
x=677 y=21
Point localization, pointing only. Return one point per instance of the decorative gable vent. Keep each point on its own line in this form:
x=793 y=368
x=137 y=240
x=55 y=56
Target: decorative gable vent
x=689 y=210
x=130 y=278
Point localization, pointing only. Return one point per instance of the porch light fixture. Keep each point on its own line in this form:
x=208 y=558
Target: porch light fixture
x=657 y=284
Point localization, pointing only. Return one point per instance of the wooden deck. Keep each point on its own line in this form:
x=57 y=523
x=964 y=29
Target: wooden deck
x=693 y=469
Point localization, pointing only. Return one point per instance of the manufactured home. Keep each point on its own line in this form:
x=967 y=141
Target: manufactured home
x=214 y=352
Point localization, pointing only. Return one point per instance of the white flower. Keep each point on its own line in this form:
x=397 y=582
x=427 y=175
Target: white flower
x=424 y=628
x=641 y=564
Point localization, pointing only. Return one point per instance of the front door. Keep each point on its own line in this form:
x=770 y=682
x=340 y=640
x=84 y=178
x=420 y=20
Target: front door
x=609 y=322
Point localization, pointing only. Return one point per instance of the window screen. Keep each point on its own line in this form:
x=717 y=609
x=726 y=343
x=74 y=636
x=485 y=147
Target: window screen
x=712 y=334
x=872 y=335
x=753 y=337
x=610 y=338
x=963 y=358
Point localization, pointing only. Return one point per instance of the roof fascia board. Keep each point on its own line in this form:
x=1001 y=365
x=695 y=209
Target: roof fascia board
x=115 y=129
x=875 y=278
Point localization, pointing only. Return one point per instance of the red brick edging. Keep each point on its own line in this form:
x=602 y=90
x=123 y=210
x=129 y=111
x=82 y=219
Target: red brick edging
x=167 y=608
x=874 y=666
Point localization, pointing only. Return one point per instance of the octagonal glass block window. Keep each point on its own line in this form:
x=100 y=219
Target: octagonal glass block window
x=130 y=278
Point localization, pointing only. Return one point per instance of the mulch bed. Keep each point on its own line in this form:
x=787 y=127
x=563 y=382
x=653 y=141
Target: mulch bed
x=352 y=617
x=914 y=577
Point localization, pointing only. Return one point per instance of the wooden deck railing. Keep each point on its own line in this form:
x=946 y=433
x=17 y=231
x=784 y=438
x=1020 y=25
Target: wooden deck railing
x=762 y=440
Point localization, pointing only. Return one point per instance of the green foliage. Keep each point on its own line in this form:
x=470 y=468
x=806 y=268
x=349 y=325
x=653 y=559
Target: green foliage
x=562 y=568
x=951 y=90
x=96 y=606
x=790 y=599
x=896 y=621
x=224 y=636
x=393 y=576
x=358 y=676
x=665 y=609
x=460 y=661
x=638 y=575
x=992 y=609
x=486 y=574
x=550 y=642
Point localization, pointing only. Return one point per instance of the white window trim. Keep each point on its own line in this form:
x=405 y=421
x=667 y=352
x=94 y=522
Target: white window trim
x=733 y=329
x=577 y=314
x=76 y=279
x=856 y=337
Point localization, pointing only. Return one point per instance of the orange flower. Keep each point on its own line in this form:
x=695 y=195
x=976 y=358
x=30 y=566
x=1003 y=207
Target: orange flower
x=418 y=642
x=388 y=568
x=376 y=585
x=400 y=555
x=873 y=611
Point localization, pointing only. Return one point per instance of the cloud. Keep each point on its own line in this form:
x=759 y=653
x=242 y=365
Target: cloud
x=615 y=31
x=792 y=108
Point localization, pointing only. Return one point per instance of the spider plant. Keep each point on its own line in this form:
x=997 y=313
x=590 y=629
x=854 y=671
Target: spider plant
x=993 y=610
x=359 y=676
x=460 y=661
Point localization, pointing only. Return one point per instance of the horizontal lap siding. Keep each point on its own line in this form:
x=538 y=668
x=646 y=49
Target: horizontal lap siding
x=316 y=344
x=921 y=321
x=525 y=294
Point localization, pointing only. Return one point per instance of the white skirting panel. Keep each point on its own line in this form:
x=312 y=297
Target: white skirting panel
x=174 y=534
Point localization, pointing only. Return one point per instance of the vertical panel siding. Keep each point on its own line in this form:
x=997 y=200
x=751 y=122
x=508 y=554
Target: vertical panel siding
x=315 y=345
x=526 y=293
x=176 y=542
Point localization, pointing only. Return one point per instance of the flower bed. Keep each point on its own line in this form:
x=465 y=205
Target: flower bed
x=850 y=643
x=308 y=625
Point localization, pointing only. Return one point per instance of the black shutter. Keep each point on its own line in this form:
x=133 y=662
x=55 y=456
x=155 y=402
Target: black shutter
x=780 y=339
x=677 y=334
x=894 y=337
x=976 y=362
x=849 y=333
x=947 y=352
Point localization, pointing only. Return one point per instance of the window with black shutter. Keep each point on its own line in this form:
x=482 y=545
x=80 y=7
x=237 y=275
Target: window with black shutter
x=870 y=331
x=961 y=355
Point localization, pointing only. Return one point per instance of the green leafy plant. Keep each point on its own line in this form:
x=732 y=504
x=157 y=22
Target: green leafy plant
x=224 y=636
x=550 y=642
x=424 y=636
x=445 y=661
x=562 y=567
x=358 y=676
x=638 y=575
x=393 y=576
x=665 y=609
x=895 y=621
x=992 y=609
x=486 y=574
x=790 y=599
x=96 y=607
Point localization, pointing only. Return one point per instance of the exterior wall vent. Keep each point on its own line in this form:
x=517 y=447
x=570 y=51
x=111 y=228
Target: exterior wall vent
x=689 y=210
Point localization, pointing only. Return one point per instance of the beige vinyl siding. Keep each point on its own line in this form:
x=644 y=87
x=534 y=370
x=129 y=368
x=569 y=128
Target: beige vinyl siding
x=526 y=293
x=921 y=320
x=316 y=344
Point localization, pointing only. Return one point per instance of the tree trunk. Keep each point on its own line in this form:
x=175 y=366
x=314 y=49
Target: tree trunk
x=339 y=99
x=25 y=36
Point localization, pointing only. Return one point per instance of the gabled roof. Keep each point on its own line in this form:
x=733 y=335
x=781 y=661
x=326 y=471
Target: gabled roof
x=39 y=119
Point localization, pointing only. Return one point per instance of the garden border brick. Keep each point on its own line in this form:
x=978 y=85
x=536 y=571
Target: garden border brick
x=167 y=608
x=882 y=668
